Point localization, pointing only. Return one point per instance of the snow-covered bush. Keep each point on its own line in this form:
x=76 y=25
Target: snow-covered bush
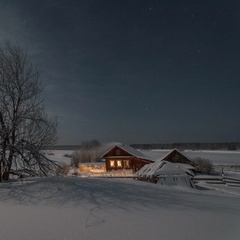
x=203 y=166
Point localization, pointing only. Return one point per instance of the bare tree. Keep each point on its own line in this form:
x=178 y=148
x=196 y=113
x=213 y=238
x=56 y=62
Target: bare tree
x=25 y=128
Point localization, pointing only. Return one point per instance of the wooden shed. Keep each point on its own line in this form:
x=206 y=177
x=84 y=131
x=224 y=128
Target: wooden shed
x=171 y=168
x=175 y=156
x=121 y=157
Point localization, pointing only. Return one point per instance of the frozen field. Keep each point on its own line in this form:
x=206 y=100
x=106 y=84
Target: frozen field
x=60 y=155
x=216 y=157
x=90 y=208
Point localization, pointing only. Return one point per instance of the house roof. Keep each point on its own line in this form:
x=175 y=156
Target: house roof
x=162 y=154
x=170 y=169
x=132 y=151
x=162 y=167
x=175 y=149
x=149 y=169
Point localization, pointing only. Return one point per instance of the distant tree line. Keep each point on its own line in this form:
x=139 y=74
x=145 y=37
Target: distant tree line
x=193 y=146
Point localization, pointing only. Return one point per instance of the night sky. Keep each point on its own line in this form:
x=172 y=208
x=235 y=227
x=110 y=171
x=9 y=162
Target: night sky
x=134 y=71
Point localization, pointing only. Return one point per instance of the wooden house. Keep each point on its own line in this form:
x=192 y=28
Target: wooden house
x=121 y=157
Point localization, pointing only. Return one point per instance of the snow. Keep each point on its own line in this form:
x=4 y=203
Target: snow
x=150 y=169
x=170 y=168
x=166 y=173
x=59 y=155
x=101 y=208
x=216 y=157
x=73 y=208
x=162 y=168
x=128 y=149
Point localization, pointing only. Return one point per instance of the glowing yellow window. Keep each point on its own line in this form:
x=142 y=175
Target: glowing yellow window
x=119 y=163
x=112 y=163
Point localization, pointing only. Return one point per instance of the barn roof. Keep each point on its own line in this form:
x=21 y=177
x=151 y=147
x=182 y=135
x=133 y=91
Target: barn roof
x=179 y=152
x=149 y=169
x=171 y=169
x=161 y=167
x=132 y=151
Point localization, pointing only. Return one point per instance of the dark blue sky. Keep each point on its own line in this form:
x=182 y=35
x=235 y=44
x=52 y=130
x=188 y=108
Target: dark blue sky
x=134 y=71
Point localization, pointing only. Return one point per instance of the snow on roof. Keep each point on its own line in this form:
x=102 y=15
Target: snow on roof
x=175 y=149
x=170 y=169
x=161 y=168
x=149 y=169
x=159 y=154
x=185 y=166
x=142 y=170
x=132 y=151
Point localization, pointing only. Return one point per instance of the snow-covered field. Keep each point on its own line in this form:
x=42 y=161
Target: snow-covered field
x=91 y=208
x=73 y=208
x=216 y=157
x=60 y=155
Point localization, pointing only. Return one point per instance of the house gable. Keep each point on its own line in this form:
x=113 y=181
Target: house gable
x=116 y=152
x=175 y=156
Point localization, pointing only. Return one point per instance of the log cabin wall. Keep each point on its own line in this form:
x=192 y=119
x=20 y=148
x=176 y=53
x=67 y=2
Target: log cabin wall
x=118 y=163
x=125 y=163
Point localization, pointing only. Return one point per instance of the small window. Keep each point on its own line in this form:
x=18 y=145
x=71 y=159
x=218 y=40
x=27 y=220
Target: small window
x=112 y=163
x=126 y=164
x=119 y=163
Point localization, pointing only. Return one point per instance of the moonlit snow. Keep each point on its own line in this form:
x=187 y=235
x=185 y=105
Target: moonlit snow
x=74 y=208
x=99 y=208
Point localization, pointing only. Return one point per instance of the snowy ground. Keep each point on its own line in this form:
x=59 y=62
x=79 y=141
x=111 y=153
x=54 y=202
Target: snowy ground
x=74 y=208
x=91 y=208
x=62 y=156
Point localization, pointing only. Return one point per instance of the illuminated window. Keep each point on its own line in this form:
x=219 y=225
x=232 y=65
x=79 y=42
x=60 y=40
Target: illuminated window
x=119 y=163
x=112 y=163
x=126 y=164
